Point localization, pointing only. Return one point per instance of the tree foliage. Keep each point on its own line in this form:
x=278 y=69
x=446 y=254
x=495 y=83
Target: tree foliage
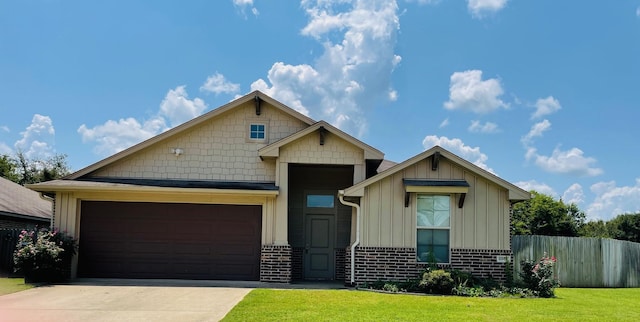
x=625 y=227
x=23 y=170
x=543 y=215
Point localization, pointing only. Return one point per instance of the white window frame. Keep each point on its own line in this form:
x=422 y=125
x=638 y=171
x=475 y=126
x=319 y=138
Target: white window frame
x=418 y=228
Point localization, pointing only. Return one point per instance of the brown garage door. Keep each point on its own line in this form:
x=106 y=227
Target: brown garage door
x=164 y=240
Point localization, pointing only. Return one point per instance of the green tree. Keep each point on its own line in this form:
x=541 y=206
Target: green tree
x=543 y=215
x=23 y=170
x=8 y=168
x=625 y=227
x=597 y=228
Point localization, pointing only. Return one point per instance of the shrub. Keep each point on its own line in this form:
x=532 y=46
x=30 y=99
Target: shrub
x=44 y=255
x=437 y=281
x=538 y=276
x=471 y=291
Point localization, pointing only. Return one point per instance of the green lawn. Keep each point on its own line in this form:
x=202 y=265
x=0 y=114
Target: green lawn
x=349 y=305
x=12 y=285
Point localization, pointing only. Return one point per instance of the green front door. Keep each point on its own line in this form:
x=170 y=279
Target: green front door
x=319 y=235
x=318 y=254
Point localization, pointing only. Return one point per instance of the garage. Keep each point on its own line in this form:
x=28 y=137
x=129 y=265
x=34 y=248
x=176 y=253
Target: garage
x=169 y=240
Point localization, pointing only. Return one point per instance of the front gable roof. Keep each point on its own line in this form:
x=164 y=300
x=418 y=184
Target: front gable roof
x=189 y=125
x=515 y=192
x=273 y=150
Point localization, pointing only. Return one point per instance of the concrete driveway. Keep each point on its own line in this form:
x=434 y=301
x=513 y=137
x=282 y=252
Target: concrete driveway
x=125 y=300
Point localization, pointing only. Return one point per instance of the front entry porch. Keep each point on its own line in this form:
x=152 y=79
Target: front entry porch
x=319 y=227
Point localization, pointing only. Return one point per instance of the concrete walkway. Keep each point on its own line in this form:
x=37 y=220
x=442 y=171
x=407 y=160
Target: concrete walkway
x=134 y=300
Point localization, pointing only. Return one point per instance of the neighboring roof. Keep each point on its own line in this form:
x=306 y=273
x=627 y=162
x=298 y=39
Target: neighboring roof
x=18 y=201
x=188 y=125
x=273 y=149
x=515 y=192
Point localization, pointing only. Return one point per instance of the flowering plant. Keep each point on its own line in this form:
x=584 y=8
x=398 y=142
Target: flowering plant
x=44 y=255
x=538 y=276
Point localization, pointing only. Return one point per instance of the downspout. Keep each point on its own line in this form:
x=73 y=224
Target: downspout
x=357 y=241
x=46 y=197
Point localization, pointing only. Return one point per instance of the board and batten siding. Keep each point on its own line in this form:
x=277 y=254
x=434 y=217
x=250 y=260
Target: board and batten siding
x=216 y=150
x=483 y=222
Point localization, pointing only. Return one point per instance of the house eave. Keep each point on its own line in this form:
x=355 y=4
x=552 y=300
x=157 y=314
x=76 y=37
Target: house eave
x=80 y=186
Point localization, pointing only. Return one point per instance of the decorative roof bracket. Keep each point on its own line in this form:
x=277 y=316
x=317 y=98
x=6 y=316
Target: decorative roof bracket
x=461 y=200
x=257 y=100
x=323 y=131
x=435 y=159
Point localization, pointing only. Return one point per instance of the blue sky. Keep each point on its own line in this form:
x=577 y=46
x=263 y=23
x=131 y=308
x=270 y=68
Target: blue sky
x=545 y=94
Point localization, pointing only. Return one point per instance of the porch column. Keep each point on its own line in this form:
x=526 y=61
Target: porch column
x=280 y=222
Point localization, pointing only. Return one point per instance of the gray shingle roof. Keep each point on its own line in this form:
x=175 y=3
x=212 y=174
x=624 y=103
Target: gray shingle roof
x=18 y=200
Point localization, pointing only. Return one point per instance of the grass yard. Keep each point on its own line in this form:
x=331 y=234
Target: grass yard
x=12 y=285
x=350 y=305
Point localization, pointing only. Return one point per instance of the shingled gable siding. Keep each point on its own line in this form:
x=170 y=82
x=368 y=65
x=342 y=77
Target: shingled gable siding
x=399 y=264
x=216 y=150
x=275 y=263
x=309 y=151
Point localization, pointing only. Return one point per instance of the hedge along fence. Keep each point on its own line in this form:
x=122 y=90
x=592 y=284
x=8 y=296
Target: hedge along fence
x=583 y=262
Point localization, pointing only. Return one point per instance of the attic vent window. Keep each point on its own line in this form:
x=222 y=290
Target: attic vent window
x=257 y=131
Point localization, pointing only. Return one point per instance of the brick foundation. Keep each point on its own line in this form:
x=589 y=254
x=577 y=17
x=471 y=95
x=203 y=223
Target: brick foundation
x=399 y=264
x=340 y=264
x=381 y=263
x=480 y=262
x=275 y=263
x=297 y=263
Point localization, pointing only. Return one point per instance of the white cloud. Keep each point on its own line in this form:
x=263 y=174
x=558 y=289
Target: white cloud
x=467 y=91
x=421 y=2
x=38 y=138
x=444 y=123
x=572 y=162
x=612 y=200
x=537 y=186
x=536 y=130
x=573 y=194
x=638 y=12
x=353 y=73
x=217 y=84
x=545 y=106
x=5 y=149
x=242 y=5
x=178 y=108
x=483 y=8
x=488 y=127
x=471 y=154
x=5 y=128
x=115 y=136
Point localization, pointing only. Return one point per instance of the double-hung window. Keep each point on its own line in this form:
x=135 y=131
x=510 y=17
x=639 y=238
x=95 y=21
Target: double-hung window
x=433 y=227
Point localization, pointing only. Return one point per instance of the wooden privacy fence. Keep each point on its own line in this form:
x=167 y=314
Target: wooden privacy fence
x=583 y=262
x=8 y=240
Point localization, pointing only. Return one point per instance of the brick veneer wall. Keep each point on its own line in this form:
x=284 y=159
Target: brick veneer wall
x=480 y=262
x=381 y=263
x=297 y=263
x=399 y=264
x=275 y=263
x=340 y=263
